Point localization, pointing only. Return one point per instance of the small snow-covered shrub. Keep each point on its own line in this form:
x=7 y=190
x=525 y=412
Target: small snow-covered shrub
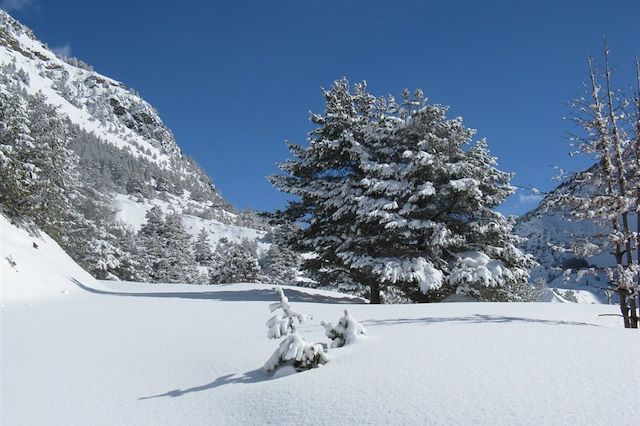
x=347 y=331
x=298 y=353
x=293 y=351
x=283 y=324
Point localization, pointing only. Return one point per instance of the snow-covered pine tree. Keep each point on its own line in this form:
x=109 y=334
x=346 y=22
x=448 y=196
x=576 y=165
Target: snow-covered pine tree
x=347 y=331
x=293 y=350
x=202 y=248
x=392 y=195
x=151 y=236
x=325 y=178
x=280 y=264
x=179 y=265
x=234 y=262
x=15 y=170
x=55 y=166
x=97 y=240
x=285 y=323
x=298 y=353
x=37 y=170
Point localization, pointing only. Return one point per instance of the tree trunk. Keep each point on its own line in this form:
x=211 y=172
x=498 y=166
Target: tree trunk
x=623 y=187
x=634 y=315
x=624 y=307
x=374 y=298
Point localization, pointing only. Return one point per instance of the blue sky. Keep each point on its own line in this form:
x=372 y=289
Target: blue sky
x=235 y=79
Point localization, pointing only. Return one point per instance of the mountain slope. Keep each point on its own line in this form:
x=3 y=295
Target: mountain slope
x=33 y=267
x=94 y=102
x=127 y=158
x=551 y=234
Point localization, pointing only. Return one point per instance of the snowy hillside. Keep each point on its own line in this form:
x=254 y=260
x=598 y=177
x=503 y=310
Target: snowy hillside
x=34 y=267
x=551 y=235
x=122 y=158
x=96 y=103
x=130 y=354
x=132 y=212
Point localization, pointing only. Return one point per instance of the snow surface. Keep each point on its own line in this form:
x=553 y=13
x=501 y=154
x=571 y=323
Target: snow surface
x=110 y=353
x=28 y=273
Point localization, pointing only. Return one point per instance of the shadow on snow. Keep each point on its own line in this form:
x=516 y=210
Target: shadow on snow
x=253 y=295
x=473 y=319
x=253 y=376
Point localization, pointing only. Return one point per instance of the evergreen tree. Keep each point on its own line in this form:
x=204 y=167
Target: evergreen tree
x=234 y=262
x=392 y=195
x=202 y=248
x=280 y=265
x=179 y=264
x=346 y=332
x=37 y=170
x=293 y=351
x=151 y=235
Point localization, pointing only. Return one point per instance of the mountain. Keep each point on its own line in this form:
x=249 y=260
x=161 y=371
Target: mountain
x=125 y=159
x=551 y=233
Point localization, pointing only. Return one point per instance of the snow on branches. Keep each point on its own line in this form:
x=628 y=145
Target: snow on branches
x=347 y=331
x=391 y=190
x=298 y=353
x=293 y=350
x=285 y=323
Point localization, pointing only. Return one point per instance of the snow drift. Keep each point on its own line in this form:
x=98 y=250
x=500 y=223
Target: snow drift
x=34 y=266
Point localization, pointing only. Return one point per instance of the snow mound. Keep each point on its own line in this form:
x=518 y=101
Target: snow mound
x=34 y=266
x=565 y=295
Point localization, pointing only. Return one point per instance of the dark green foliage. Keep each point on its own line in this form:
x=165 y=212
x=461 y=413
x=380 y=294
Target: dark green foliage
x=234 y=262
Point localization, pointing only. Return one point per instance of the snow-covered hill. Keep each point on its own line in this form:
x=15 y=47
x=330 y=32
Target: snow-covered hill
x=34 y=267
x=132 y=211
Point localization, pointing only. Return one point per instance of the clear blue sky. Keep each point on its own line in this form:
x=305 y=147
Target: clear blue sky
x=235 y=79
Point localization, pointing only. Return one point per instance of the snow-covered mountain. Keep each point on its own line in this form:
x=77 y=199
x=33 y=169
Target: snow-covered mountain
x=551 y=233
x=124 y=149
x=96 y=103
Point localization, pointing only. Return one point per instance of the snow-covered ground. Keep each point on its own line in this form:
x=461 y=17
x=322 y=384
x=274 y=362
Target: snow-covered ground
x=33 y=267
x=183 y=355
x=76 y=351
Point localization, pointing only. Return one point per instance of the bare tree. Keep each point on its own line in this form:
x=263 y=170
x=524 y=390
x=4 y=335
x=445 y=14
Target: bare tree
x=605 y=127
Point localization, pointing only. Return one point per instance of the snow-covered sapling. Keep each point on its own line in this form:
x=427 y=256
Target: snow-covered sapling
x=298 y=353
x=283 y=324
x=347 y=331
x=293 y=350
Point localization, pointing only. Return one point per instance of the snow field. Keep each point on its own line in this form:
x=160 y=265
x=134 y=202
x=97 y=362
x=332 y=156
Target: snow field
x=177 y=354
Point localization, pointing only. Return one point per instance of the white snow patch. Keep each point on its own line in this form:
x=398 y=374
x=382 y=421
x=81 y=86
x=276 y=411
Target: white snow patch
x=34 y=267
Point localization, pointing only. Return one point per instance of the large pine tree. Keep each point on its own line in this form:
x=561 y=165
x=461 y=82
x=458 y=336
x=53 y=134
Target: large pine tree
x=393 y=194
